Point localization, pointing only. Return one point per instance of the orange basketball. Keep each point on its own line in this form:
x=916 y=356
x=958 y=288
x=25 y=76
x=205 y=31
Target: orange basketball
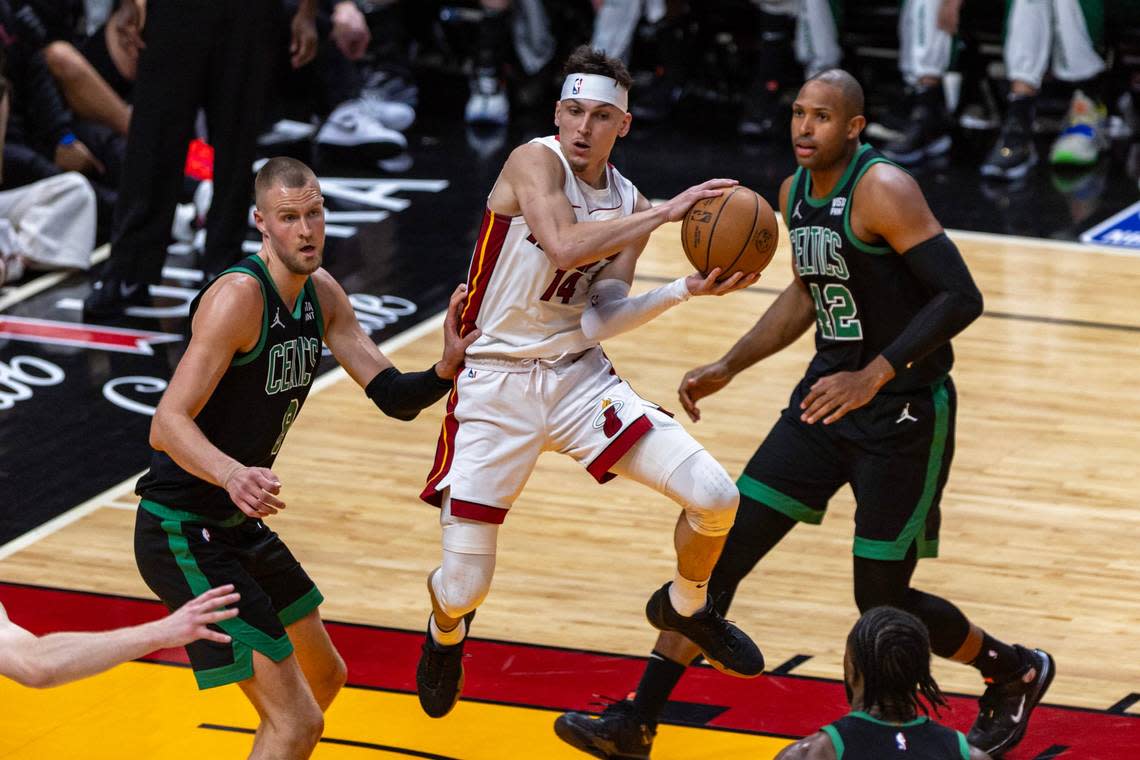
x=735 y=231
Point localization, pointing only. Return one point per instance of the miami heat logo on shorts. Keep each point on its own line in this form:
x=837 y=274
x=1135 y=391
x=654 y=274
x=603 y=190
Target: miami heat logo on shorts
x=608 y=419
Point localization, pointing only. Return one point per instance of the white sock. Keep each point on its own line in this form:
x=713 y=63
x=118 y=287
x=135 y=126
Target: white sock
x=448 y=638
x=688 y=597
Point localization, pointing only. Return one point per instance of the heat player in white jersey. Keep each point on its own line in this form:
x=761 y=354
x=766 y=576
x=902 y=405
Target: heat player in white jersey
x=549 y=278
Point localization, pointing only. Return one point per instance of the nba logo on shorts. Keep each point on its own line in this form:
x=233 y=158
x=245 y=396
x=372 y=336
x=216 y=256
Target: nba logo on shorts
x=900 y=740
x=205 y=534
x=577 y=88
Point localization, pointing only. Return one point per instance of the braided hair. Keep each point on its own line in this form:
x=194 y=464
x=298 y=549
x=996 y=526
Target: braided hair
x=891 y=649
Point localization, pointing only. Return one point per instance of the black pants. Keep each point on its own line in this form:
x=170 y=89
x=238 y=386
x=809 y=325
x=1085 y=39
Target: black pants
x=199 y=54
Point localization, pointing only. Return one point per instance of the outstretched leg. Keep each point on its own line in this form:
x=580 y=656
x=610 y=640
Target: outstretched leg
x=457 y=587
x=1016 y=677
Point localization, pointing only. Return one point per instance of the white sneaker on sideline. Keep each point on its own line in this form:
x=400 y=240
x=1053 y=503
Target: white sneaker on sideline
x=488 y=103
x=351 y=133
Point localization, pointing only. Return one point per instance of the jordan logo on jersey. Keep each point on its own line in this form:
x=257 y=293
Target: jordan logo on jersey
x=277 y=319
x=901 y=741
x=608 y=420
x=906 y=416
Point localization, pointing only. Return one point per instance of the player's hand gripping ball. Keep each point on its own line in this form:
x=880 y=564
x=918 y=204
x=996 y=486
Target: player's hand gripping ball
x=736 y=231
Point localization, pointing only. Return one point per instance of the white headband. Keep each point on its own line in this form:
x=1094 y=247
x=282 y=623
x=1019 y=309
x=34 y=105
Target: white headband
x=596 y=87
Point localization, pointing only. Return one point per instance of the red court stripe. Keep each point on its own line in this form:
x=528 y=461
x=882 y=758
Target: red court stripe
x=568 y=679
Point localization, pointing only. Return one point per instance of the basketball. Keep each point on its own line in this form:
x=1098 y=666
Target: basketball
x=735 y=231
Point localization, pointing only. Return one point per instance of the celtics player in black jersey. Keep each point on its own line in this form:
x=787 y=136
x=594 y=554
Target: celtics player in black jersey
x=886 y=290
x=255 y=341
x=886 y=670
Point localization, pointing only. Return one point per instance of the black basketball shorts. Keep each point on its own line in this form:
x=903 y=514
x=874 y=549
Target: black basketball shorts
x=181 y=554
x=895 y=452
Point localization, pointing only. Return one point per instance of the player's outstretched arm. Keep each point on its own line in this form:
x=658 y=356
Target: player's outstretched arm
x=531 y=184
x=789 y=316
x=58 y=658
x=398 y=394
x=228 y=321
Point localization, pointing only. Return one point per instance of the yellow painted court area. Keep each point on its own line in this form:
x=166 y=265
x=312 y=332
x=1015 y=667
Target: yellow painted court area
x=152 y=711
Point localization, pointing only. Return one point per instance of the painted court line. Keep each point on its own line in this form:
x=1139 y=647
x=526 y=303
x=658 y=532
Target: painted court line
x=1064 y=245
x=124 y=488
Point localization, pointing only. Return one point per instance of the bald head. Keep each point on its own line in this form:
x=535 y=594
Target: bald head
x=850 y=91
x=283 y=171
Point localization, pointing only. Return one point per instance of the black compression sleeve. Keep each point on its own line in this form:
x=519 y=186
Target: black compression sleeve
x=403 y=394
x=955 y=301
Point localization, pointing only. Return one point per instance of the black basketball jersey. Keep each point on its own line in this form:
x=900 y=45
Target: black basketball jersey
x=864 y=294
x=858 y=736
x=255 y=401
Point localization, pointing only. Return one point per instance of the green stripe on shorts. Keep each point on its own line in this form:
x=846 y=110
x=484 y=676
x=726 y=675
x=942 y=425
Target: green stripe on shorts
x=914 y=530
x=302 y=607
x=765 y=494
x=242 y=632
x=165 y=513
x=239 y=670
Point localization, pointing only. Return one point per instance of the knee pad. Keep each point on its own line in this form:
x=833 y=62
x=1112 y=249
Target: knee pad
x=462 y=582
x=464 y=578
x=709 y=496
x=464 y=536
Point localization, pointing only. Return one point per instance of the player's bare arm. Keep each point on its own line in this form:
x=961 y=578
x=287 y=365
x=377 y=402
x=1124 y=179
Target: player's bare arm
x=889 y=206
x=789 y=317
x=57 y=658
x=531 y=185
x=817 y=746
x=227 y=322
x=398 y=394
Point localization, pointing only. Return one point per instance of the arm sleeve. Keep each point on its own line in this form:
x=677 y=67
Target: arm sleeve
x=612 y=311
x=403 y=394
x=955 y=301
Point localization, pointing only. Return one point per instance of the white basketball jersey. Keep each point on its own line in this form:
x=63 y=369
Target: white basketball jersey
x=526 y=307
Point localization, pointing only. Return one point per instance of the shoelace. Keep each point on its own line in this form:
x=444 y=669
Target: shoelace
x=610 y=704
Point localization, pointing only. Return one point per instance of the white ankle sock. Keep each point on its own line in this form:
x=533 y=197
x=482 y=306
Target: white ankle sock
x=447 y=638
x=688 y=597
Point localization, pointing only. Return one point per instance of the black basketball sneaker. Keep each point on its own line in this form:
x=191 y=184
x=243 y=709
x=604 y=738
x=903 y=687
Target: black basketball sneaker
x=1004 y=709
x=439 y=676
x=617 y=734
x=726 y=647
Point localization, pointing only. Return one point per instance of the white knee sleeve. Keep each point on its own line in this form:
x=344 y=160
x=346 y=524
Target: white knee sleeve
x=706 y=492
x=464 y=577
x=462 y=582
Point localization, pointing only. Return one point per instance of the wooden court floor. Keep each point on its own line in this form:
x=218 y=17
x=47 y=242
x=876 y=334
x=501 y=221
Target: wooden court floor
x=1040 y=526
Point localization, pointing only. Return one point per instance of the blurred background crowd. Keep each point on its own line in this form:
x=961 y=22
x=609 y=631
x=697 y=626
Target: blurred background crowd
x=139 y=121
